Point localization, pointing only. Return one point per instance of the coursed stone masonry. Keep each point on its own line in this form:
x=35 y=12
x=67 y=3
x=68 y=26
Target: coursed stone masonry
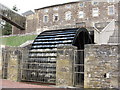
x=12 y=62
x=102 y=66
x=64 y=66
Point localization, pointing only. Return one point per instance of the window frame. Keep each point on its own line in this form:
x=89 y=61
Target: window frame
x=55 y=8
x=68 y=15
x=44 y=18
x=82 y=13
x=109 y=1
x=68 y=6
x=46 y=10
x=93 y=3
x=109 y=13
x=93 y=12
x=83 y=4
x=56 y=14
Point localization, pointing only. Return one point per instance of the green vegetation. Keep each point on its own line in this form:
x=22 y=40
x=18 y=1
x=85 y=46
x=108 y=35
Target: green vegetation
x=7 y=29
x=16 y=40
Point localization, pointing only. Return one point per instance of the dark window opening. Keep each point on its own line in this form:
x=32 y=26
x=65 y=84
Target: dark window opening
x=45 y=18
x=56 y=18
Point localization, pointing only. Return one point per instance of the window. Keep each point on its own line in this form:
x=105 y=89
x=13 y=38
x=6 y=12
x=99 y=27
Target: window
x=68 y=15
x=95 y=12
x=81 y=14
x=111 y=10
x=68 y=6
x=81 y=4
x=45 y=10
x=45 y=18
x=110 y=1
x=56 y=8
x=55 y=17
x=95 y=3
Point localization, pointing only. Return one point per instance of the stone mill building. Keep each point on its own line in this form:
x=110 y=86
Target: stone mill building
x=95 y=15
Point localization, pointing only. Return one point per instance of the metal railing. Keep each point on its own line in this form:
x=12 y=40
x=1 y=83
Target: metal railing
x=37 y=69
x=43 y=70
x=78 y=68
x=4 y=65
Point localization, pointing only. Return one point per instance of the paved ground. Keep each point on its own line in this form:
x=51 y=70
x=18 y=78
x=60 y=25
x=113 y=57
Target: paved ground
x=11 y=84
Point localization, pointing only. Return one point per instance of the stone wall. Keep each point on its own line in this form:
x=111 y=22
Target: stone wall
x=12 y=63
x=102 y=66
x=31 y=21
x=65 y=66
x=15 y=30
x=0 y=62
x=74 y=7
x=35 y=22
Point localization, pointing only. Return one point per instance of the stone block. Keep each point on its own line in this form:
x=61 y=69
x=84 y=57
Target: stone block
x=64 y=66
x=13 y=68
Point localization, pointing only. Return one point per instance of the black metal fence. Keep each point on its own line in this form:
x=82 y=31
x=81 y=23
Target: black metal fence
x=38 y=69
x=4 y=64
x=79 y=68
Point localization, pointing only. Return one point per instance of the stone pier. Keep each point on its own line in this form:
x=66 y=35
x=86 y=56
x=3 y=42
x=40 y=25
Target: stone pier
x=102 y=66
x=64 y=66
x=12 y=62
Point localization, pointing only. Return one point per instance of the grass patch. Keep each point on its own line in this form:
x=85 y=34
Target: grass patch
x=16 y=40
